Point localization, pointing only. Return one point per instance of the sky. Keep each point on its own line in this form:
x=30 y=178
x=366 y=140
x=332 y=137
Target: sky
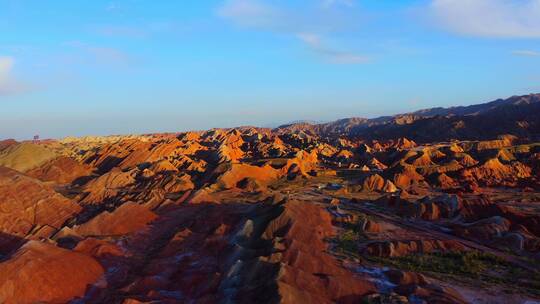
x=78 y=67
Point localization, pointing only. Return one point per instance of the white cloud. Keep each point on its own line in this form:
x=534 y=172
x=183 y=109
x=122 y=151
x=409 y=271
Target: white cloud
x=9 y=85
x=309 y=26
x=489 y=18
x=526 y=53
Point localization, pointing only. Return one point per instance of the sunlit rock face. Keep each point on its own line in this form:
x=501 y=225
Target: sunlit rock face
x=416 y=208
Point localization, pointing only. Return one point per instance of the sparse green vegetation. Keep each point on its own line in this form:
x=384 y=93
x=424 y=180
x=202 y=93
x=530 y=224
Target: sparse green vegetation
x=476 y=265
x=471 y=263
x=347 y=242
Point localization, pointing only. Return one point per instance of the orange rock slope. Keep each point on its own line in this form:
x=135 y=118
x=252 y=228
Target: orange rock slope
x=299 y=214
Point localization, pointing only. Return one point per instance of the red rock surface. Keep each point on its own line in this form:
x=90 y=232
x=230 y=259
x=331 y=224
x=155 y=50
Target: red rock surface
x=307 y=272
x=297 y=214
x=7 y=143
x=127 y=218
x=63 y=170
x=42 y=273
x=28 y=205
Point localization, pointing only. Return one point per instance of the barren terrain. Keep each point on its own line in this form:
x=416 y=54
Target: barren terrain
x=435 y=206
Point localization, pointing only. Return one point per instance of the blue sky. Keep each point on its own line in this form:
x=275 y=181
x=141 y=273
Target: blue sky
x=136 y=66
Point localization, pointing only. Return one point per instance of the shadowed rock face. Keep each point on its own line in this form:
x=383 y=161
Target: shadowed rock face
x=294 y=259
x=299 y=214
x=515 y=115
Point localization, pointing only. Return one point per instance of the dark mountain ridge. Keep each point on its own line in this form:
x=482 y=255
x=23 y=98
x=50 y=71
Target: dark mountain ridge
x=517 y=115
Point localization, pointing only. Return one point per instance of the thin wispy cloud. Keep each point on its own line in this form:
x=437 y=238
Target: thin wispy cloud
x=120 y=31
x=309 y=17
x=253 y=13
x=112 y=6
x=316 y=44
x=308 y=26
x=8 y=84
x=489 y=18
x=6 y=64
x=526 y=53
x=100 y=54
x=328 y=3
x=143 y=30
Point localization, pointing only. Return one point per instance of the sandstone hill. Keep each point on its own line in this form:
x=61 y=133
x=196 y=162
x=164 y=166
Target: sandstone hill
x=435 y=206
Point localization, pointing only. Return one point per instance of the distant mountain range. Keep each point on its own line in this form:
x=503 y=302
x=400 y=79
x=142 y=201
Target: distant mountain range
x=517 y=115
